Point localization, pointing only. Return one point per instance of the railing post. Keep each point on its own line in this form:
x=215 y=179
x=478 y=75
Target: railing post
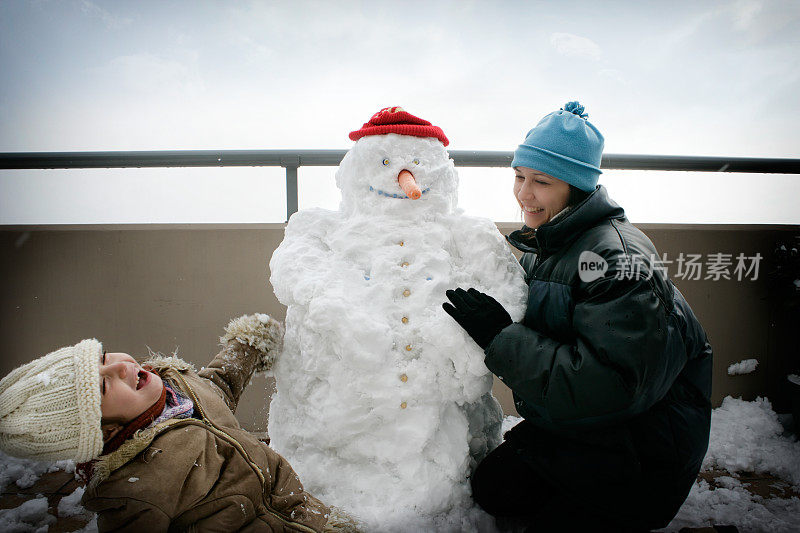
x=291 y=192
x=291 y=164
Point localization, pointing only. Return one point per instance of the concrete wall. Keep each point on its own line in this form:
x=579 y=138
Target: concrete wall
x=175 y=287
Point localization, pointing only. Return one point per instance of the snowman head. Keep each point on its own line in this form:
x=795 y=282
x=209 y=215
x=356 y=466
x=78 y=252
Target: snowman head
x=399 y=164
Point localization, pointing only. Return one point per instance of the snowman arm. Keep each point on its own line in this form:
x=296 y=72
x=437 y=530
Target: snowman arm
x=250 y=344
x=489 y=265
x=296 y=265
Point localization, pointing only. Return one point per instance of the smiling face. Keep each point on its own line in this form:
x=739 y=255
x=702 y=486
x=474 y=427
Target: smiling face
x=371 y=174
x=539 y=195
x=126 y=389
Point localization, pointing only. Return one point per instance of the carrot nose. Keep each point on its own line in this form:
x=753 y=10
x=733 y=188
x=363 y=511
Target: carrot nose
x=409 y=185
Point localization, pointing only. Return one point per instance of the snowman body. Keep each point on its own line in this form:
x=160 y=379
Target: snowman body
x=383 y=403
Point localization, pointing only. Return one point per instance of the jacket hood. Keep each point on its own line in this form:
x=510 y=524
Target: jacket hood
x=559 y=232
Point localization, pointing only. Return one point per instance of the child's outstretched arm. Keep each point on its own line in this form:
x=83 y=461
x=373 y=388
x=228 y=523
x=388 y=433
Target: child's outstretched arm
x=250 y=344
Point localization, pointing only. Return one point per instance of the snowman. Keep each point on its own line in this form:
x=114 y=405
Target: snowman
x=383 y=403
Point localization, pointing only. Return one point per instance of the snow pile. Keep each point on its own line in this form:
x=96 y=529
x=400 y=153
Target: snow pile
x=25 y=472
x=733 y=505
x=747 y=437
x=383 y=403
x=509 y=422
x=743 y=367
x=31 y=516
x=70 y=505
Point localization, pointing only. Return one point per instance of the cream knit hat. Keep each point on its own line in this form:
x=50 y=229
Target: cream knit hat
x=50 y=407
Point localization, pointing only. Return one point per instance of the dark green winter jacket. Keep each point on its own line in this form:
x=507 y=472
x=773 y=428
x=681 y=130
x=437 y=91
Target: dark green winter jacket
x=609 y=367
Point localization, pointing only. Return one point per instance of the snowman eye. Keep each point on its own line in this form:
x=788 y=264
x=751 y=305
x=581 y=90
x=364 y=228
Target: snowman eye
x=386 y=161
x=416 y=161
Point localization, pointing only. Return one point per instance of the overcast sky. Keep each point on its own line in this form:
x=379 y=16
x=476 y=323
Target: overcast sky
x=688 y=78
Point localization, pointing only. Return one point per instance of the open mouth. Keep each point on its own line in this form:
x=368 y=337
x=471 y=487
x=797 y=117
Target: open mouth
x=142 y=378
x=533 y=210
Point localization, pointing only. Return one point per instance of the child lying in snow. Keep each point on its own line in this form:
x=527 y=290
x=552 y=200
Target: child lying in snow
x=160 y=446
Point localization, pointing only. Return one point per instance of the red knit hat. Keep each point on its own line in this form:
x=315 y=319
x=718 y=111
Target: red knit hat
x=396 y=120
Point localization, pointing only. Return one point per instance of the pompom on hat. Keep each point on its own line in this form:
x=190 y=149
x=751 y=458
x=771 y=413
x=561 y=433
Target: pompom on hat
x=50 y=407
x=398 y=120
x=564 y=145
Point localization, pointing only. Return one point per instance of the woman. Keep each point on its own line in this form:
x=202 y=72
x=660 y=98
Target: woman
x=610 y=368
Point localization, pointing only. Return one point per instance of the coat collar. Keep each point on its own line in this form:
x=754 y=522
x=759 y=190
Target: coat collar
x=566 y=227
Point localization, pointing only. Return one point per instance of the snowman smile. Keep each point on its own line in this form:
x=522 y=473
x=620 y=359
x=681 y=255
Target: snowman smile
x=395 y=195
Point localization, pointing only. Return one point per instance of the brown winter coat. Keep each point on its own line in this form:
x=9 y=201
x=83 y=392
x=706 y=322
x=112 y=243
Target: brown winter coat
x=204 y=474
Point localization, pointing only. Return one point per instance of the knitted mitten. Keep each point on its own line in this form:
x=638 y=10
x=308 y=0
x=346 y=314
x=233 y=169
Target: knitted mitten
x=259 y=331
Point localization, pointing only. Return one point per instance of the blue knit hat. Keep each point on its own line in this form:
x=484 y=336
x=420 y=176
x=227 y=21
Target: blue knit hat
x=564 y=145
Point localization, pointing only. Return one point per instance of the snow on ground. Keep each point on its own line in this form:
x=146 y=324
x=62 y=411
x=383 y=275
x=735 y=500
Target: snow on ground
x=24 y=473
x=743 y=367
x=30 y=516
x=33 y=515
x=733 y=505
x=71 y=505
x=748 y=437
x=509 y=422
x=745 y=437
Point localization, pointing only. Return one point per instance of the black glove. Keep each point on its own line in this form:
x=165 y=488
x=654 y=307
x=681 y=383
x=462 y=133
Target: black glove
x=479 y=314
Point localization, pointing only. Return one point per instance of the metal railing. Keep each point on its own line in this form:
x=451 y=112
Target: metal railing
x=291 y=160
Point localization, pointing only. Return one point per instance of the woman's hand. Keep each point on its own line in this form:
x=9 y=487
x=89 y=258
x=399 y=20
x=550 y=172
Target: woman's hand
x=481 y=316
